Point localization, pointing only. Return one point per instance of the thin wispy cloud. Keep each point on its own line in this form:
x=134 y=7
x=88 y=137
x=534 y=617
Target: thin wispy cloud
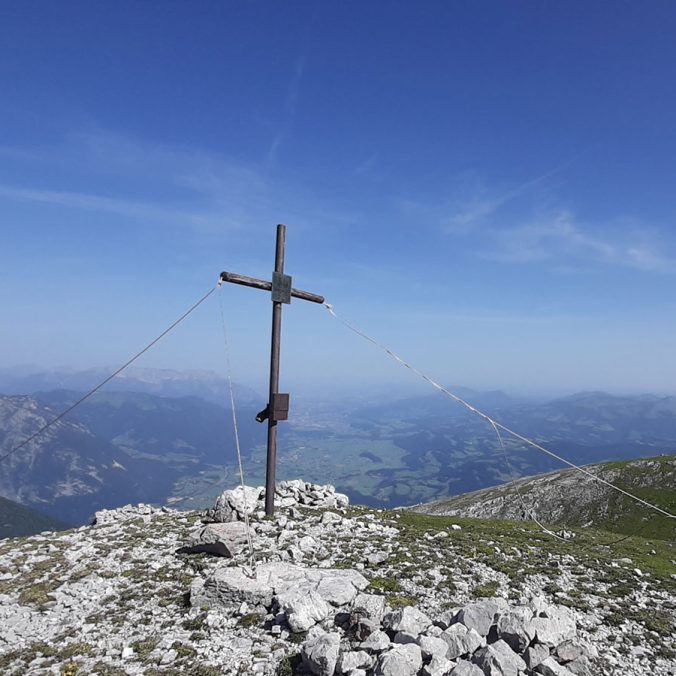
x=471 y=204
x=481 y=207
x=88 y=202
x=294 y=86
x=290 y=104
x=528 y=224
x=180 y=186
x=559 y=238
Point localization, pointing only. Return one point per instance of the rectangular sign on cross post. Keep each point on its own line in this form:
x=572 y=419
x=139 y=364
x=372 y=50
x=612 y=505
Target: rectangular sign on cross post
x=278 y=403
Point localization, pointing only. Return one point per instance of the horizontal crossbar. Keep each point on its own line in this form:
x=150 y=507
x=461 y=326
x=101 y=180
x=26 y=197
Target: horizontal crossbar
x=234 y=278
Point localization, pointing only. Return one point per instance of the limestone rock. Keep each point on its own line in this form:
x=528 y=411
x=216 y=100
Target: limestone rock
x=307 y=544
x=232 y=504
x=341 y=499
x=446 y=618
x=356 y=579
x=536 y=654
x=244 y=499
x=465 y=668
x=479 y=616
x=303 y=608
x=362 y=627
x=554 y=626
x=377 y=642
x=498 y=659
x=121 y=514
x=337 y=590
x=371 y=606
x=401 y=660
x=580 y=666
x=460 y=640
x=569 y=651
x=330 y=519
x=354 y=659
x=408 y=619
x=320 y=654
x=376 y=558
x=231 y=586
x=550 y=667
x=432 y=646
x=515 y=629
x=221 y=539
x=437 y=666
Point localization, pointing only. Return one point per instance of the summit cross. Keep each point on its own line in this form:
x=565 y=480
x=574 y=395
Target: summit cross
x=278 y=403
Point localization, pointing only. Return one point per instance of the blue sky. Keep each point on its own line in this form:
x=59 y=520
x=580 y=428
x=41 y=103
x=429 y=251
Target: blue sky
x=486 y=187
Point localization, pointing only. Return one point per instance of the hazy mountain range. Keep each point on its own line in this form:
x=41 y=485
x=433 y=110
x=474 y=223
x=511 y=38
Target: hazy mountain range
x=167 y=439
x=161 y=382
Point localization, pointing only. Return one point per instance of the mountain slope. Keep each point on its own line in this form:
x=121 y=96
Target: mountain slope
x=67 y=471
x=183 y=432
x=569 y=498
x=112 y=449
x=17 y=520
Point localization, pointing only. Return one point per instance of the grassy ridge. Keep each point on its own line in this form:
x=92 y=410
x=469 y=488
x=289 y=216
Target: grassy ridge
x=592 y=548
x=651 y=479
x=626 y=516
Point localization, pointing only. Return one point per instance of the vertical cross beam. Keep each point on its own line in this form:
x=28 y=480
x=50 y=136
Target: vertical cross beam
x=278 y=404
x=271 y=462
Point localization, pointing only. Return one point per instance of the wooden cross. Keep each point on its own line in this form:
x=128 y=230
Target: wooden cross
x=278 y=404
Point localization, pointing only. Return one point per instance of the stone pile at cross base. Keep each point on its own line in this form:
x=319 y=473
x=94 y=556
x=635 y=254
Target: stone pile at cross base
x=354 y=633
x=232 y=504
x=331 y=590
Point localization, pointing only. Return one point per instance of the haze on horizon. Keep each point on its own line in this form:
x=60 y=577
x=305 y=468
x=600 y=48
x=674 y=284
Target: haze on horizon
x=487 y=190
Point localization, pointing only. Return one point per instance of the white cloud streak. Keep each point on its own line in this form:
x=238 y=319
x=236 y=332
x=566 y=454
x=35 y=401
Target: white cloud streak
x=290 y=104
x=559 y=238
x=179 y=186
x=520 y=226
x=122 y=207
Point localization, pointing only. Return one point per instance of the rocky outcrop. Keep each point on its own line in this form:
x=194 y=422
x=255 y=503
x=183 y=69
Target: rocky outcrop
x=112 y=516
x=303 y=594
x=331 y=592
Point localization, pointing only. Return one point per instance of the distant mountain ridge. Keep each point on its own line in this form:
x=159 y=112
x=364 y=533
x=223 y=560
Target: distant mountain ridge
x=137 y=446
x=160 y=382
x=568 y=498
x=448 y=450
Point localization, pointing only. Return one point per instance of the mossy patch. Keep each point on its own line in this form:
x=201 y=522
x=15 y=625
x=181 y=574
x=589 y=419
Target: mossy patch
x=486 y=589
x=37 y=594
x=401 y=601
x=385 y=584
x=288 y=665
x=143 y=647
x=251 y=620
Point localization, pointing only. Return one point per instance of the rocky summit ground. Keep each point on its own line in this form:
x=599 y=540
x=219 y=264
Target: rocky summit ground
x=333 y=589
